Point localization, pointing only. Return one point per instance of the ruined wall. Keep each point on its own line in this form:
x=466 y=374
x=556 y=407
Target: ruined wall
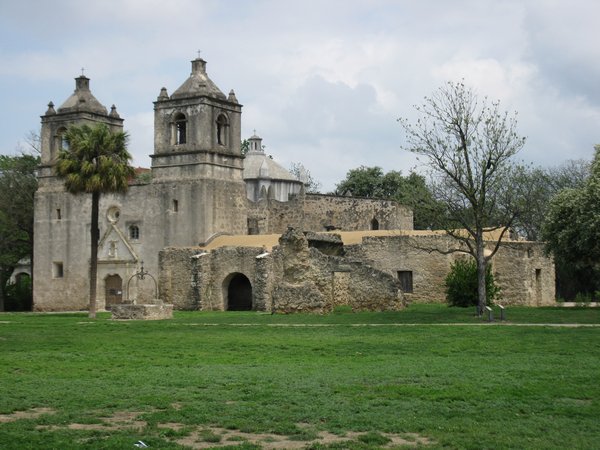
x=177 y=281
x=193 y=279
x=524 y=274
x=400 y=253
x=309 y=280
x=315 y=212
x=294 y=277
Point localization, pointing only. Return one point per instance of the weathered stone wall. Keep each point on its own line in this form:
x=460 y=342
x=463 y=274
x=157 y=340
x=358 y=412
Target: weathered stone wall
x=294 y=277
x=524 y=274
x=177 y=281
x=400 y=253
x=308 y=280
x=350 y=214
x=315 y=212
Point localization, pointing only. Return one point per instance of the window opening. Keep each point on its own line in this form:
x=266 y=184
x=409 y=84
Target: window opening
x=175 y=206
x=134 y=232
x=406 y=280
x=57 y=270
x=58 y=215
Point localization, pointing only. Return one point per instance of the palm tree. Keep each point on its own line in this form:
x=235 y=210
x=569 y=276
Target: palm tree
x=95 y=161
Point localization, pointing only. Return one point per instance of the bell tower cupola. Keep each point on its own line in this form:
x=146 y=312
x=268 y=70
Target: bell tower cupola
x=195 y=121
x=81 y=107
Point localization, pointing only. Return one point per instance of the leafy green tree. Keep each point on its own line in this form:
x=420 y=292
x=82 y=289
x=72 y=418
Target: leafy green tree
x=96 y=161
x=469 y=145
x=411 y=191
x=362 y=182
x=541 y=185
x=572 y=229
x=18 y=184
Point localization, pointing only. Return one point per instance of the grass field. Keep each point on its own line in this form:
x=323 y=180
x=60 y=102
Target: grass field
x=430 y=376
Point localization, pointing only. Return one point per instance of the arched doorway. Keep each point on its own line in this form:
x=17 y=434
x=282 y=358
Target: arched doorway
x=239 y=292
x=113 y=290
x=374 y=224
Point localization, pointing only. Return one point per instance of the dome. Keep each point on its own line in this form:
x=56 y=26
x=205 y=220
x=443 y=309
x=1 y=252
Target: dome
x=198 y=84
x=257 y=165
x=82 y=99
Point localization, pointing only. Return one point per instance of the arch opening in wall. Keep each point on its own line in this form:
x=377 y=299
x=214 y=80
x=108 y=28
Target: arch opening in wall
x=374 y=224
x=222 y=130
x=60 y=142
x=179 y=131
x=237 y=291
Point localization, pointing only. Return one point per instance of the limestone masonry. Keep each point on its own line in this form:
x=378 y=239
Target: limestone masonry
x=226 y=231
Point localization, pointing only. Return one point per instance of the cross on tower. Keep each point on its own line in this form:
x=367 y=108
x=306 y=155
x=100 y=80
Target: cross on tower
x=82 y=69
x=199 y=51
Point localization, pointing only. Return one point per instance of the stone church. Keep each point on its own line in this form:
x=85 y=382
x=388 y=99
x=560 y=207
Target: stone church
x=220 y=230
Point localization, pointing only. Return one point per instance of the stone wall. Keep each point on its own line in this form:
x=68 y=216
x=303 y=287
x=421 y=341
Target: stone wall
x=315 y=212
x=294 y=277
x=524 y=274
x=316 y=273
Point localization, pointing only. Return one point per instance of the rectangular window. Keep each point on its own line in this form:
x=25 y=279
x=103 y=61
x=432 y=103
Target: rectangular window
x=175 y=206
x=58 y=215
x=406 y=280
x=57 y=270
x=538 y=275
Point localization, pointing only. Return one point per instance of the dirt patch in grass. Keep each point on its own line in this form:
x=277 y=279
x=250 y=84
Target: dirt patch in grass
x=202 y=437
x=29 y=414
x=172 y=426
x=212 y=437
x=120 y=420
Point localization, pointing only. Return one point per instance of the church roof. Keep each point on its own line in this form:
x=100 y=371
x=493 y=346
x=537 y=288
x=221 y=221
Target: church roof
x=82 y=99
x=198 y=84
x=257 y=165
x=348 y=238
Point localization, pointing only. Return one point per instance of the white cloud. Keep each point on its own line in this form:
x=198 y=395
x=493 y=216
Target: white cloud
x=322 y=82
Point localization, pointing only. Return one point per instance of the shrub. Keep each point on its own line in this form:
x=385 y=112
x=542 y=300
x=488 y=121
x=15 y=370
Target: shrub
x=17 y=296
x=461 y=284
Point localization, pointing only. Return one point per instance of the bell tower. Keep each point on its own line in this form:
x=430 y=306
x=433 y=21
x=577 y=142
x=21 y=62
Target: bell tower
x=195 y=127
x=197 y=163
x=80 y=107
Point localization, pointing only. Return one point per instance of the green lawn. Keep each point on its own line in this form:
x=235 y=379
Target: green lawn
x=246 y=380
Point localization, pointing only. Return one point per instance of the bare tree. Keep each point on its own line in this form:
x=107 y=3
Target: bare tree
x=311 y=185
x=469 y=145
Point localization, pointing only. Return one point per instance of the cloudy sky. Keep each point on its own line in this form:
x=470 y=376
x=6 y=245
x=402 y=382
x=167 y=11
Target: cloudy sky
x=322 y=82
